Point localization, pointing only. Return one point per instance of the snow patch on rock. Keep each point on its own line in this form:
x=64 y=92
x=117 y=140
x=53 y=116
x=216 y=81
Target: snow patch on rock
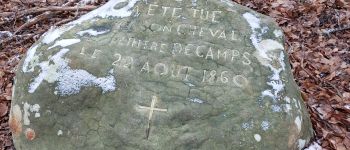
x=65 y=43
x=265 y=125
x=197 y=100
x=298 y=120
x=35 y=109
x=301 y=144
x=59 y=132
x=247 y=125
x=107 y=10
x=278 y=33
x=26 y=114
x=54 y=33
x=314 y=146
x=72 y=80
x=91 y=32
x=69 y=81
x=194 y=3
x=31 y=60
x=27 y=109
x=269 y=54
x=257 y=137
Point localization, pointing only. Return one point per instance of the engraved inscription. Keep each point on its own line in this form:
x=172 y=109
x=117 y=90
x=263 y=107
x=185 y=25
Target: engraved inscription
x=161 y=58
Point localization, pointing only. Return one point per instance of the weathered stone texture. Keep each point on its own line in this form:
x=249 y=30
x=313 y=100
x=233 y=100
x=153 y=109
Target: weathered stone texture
x=157 y=75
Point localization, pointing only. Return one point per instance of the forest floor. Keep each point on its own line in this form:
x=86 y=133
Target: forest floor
x=317 y=41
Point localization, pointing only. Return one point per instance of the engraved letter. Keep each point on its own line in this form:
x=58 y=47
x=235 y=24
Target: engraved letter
x=95 y=53
x=224 y=54
x=195 y=11
x=119 y=57
x=175 y=11
x=145 y=68
x=201 y=32
x=247 y=60
x=177 y=48
x=234 y=54
x=240 y=80
x=188 y=49
x=222 y=35
x=166 y=28
x=214 y=14
x=163 y=46
x=179 y=28
x=233 y=37
x=154 y=46
x=187 y=72
x=128 y=62
x=151 y=8
x=209 y=54
x=156 y=27
x=203 y=15
x=194 y=28
x=212 y=33
x=223 y=78
x=82 y=52
x=158 y=70
x=198 y=53
x=165 y=9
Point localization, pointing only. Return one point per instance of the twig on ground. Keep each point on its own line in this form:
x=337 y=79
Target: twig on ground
x=34 y=21
x=50 y=8
x=64 y=21
x=329 y=31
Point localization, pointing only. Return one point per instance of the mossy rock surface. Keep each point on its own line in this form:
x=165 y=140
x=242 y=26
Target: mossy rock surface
x=159 y=75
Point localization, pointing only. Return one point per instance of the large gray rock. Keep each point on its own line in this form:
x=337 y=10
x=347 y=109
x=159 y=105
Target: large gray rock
x=157 y=75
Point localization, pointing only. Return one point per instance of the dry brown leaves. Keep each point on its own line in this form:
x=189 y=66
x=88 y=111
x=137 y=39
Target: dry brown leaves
x=317 y=39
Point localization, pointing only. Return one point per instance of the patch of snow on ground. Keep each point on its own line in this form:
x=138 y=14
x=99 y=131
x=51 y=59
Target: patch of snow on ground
x=84 y=2
x=347 y=106
x=5 y=34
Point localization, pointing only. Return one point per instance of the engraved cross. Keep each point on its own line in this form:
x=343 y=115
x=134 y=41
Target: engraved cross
x=150 y=115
